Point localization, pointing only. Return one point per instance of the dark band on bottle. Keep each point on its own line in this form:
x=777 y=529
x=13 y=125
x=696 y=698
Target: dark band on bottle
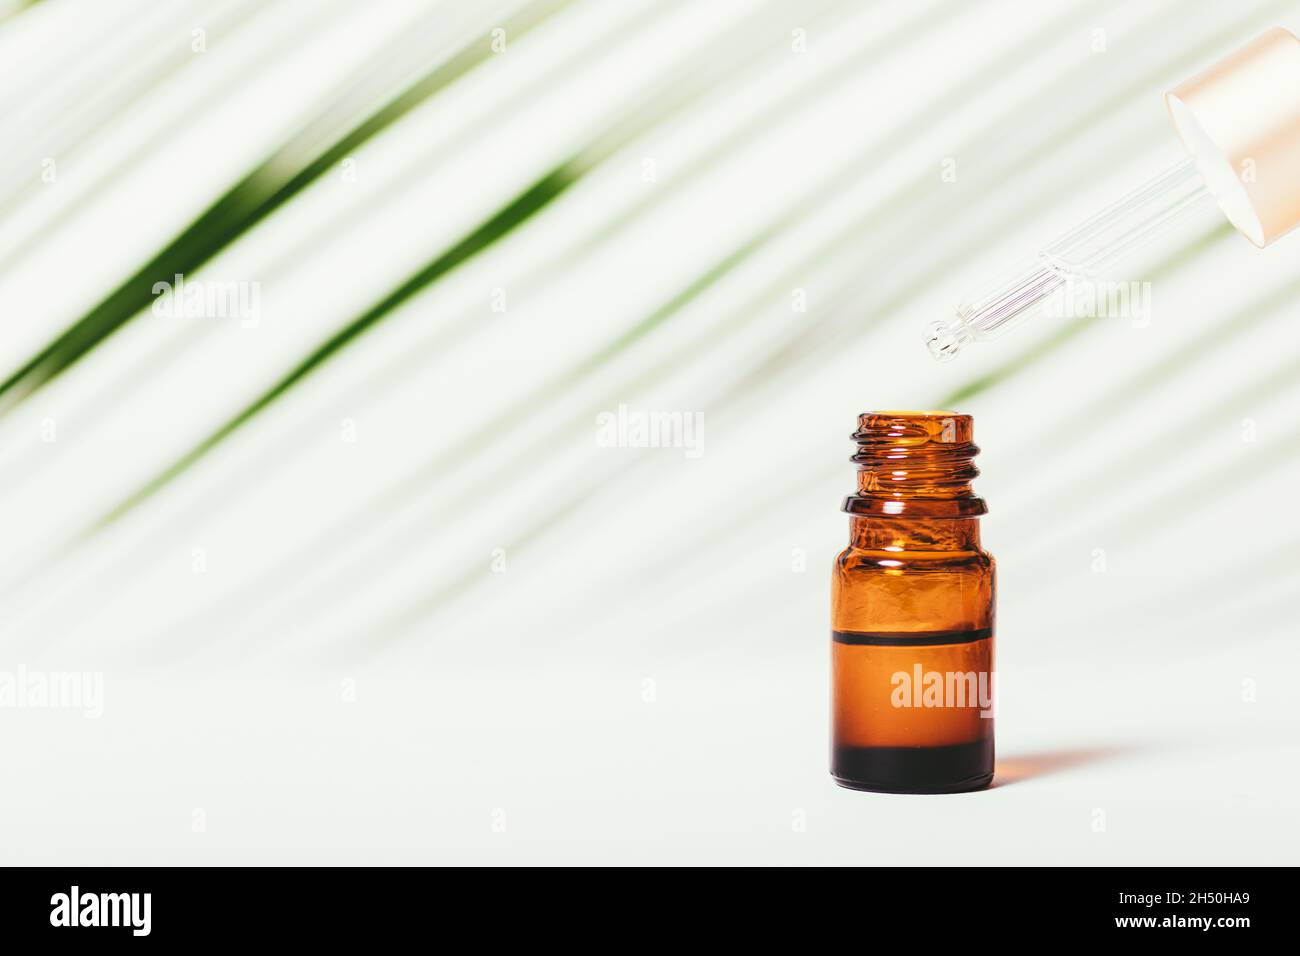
x=911 y=638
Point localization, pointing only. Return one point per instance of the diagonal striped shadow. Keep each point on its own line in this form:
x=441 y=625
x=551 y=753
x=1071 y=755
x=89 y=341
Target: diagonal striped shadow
x=273 y=183
x=509 y=217
x=450 y=458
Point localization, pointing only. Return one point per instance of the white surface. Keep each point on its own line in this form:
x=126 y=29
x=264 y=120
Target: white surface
x=725 y=766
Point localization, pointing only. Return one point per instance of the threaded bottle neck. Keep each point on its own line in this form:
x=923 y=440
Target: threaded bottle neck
x=915 y=463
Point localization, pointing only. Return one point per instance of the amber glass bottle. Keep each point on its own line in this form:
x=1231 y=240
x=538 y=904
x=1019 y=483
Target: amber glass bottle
x=912 y=613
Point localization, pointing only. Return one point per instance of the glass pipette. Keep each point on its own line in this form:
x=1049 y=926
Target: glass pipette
x=1240 y=123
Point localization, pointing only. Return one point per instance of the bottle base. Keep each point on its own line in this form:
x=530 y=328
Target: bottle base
x=957 y=768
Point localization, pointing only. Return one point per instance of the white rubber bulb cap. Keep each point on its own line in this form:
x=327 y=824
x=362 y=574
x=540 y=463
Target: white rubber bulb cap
x=1240 y=119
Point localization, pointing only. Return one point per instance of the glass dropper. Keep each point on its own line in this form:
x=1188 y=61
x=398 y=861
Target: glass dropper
x=1085 y=253
x=1239 y=121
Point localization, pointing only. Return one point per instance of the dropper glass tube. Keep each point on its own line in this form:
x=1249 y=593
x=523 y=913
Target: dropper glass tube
x=1239 y=120
x=1084 y=254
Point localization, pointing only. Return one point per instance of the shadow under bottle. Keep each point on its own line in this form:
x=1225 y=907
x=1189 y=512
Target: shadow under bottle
x=912 y=613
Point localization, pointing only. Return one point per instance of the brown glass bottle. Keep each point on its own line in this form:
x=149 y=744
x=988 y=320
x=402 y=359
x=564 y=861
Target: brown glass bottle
x=912 y=613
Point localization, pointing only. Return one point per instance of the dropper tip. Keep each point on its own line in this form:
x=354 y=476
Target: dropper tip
x=945 y=339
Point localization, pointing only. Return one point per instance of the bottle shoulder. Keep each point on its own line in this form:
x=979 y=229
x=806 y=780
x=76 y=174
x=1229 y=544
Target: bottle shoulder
x=860 y=560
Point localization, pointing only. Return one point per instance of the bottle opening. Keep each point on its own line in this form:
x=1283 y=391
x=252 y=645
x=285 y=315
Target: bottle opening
x=915 y=413
x=918 y=427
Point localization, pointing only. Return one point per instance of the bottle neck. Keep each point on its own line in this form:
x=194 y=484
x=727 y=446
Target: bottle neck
x=870 y=533
x=915 y=465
